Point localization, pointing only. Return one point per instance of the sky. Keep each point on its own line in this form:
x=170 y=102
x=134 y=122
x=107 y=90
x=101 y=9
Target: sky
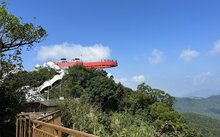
x=171 y=45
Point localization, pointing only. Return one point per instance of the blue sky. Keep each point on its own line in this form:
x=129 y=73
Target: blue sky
x=172 y=45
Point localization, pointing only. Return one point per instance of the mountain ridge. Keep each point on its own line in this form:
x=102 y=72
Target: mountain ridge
x=203 y=93
x=209 y=106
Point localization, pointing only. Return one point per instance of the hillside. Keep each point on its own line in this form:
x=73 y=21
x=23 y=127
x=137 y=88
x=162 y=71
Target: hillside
x=205 y=106
x=96 y=104
x=208 y=127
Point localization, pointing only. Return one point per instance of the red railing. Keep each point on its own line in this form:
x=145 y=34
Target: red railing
x=95 y=64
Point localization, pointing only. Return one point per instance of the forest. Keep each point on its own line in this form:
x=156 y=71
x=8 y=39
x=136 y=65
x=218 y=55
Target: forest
x=202 y=113
x=207 y=126
x=94 y=103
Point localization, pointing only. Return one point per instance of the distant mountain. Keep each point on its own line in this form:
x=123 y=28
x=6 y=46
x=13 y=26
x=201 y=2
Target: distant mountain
x=203 y=93
x=205 y=106
x=207 y=126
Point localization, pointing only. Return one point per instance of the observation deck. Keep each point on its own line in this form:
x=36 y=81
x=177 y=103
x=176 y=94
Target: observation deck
x=95 y=64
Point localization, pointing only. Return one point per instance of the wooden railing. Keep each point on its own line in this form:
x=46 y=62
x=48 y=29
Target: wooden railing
x=47 y=126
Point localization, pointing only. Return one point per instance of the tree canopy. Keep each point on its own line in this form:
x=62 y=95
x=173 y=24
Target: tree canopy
x=15 y=34
x=13 y=90
x=110 y=109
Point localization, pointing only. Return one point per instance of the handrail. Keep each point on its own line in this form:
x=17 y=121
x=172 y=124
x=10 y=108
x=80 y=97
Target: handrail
x=31 y=125
x=63 y=129
x=53 y=113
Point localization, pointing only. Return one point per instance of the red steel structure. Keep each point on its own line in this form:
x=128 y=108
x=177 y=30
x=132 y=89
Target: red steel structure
x=95 y=64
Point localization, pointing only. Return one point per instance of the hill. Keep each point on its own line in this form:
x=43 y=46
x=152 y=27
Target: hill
x=207 y=126
x=203 y=93
x=95 y=103
x=205 y=106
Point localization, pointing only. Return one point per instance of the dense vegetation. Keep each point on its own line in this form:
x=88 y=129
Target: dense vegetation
x=208 y=127
x=202 y=113
x=205 y=106
x=12 y=94
x=15 y=35
x=94 y=103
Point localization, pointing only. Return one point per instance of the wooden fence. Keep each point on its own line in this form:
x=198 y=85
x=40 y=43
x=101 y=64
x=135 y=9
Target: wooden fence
x=27 y=125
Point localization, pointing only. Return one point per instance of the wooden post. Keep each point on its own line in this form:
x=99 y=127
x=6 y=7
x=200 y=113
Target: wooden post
x=25 y=127
x=17 y=125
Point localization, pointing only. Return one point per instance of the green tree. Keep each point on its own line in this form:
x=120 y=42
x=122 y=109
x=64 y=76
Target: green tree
x=11 y=99
x=123 y=112
x=207 y=126
x=127 y=125
x=14 y=34
x=80 y=115
x=12 y=93
x=94 y=86
x=140 y=100
x=36 y=78
x=156 y=95
x=104 y=91
x=169 y=122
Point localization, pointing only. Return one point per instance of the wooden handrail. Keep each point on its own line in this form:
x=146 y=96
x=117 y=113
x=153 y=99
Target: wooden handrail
x=63 y=129
x=53 y=113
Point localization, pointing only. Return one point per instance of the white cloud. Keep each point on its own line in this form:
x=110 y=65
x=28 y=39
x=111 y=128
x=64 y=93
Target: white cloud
x=216 y=49
x=122 y=80
x=132 y=81
x=157 y=57
x=188 y=54
x=138 y=78
x=202 y=78
x=70 y=51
